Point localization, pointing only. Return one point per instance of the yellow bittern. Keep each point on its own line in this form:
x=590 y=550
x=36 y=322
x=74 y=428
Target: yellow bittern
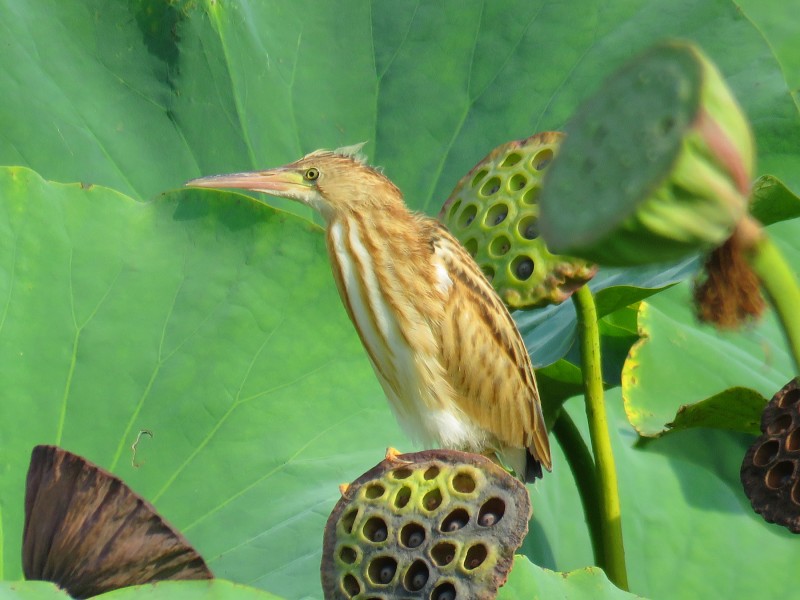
x=443 y=345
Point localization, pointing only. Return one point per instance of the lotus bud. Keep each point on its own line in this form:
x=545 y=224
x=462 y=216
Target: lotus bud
x=656 y=164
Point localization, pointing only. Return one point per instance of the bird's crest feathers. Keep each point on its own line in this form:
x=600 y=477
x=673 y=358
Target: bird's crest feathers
x=354 y=152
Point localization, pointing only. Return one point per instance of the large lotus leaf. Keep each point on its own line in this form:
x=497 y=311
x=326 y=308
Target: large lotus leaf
x=216 y=589
x=141 y=97
x=534 y=583
x=680 y=362
x=165 y=92
x=31 y=590
x=209 y=320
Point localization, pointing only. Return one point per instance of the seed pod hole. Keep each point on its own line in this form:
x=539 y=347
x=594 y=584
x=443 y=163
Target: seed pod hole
x=793 y=441
x=348 y=519
x=529 y=228
x=510 y=160
x=490 y=187
x=780 y=425
x=431 y=473
x=467 y=215
x=444 y=591
x=402 y=497
x=795 y=495
x=454 y=208
x=496 y=215
x=500 y=245
x=412 y=535
x=374 y=491
x=790 y=398
x=382 y=569
x=401 y=473
x=766 y=453
x=456 y=520
x=780 y=474
x=491 y=512
x=464 y=483
x=472 y=246
x=416 y=576
x=542 y=159
x=475 y=557
x=488 y=272
x=348 y=555
x=517 y=182
x=432 y=500
x=531 y=195
x=375 y=530
x=522 y=267
x=443 y=553
x=351 y=586
x=479 y=176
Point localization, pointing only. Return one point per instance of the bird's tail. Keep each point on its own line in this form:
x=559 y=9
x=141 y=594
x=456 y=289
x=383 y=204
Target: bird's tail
x=533 y=468
x=521 y=460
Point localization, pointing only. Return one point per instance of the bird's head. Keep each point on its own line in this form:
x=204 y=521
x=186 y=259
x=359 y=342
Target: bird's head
x=329 y=181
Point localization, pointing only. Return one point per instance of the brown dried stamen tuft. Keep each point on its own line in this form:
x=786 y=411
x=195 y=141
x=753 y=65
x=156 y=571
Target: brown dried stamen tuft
x=728 y=293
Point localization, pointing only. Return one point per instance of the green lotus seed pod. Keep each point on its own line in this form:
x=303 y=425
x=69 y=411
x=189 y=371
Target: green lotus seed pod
x=655 y=165
x=438 y=524
x=494 y=212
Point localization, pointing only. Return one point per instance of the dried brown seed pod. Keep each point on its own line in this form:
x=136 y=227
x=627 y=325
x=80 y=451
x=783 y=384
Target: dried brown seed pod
x=771 y=467
x=436 y=524
x=89 y=533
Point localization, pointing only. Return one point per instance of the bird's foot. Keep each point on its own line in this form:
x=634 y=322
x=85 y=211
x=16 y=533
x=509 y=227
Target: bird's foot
x=392 y=455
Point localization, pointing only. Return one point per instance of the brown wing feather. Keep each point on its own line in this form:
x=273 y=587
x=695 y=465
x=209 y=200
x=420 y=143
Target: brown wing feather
x=485 y=357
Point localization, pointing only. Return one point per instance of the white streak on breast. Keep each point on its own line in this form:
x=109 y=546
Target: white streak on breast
x=443 y=281
x=353 y=289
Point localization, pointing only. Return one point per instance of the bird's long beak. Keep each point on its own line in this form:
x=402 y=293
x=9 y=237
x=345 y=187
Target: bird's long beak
x=279 y=182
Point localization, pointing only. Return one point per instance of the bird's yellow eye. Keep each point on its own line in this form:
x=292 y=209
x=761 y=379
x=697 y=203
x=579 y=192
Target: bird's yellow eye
x=311 y=174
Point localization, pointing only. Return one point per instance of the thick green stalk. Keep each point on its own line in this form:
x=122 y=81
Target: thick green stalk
x=581 y=464
x=607 y=491
x=780 y=284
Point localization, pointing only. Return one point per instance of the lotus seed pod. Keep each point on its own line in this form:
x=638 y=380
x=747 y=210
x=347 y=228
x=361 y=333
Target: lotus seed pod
x=438 y=524
x=656 y=164
x=771 y=468
x=494 y=212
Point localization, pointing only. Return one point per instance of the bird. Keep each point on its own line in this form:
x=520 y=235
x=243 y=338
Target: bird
x=444 y=347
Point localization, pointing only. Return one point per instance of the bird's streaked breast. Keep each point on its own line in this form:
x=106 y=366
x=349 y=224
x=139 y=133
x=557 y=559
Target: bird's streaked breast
x=379 y=306
x=371 y=312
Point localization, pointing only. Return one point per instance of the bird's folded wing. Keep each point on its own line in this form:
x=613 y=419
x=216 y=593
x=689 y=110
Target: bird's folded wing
x=485 y=357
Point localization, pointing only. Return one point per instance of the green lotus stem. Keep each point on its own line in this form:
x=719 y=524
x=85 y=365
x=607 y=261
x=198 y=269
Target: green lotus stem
x=780 y=284
x=607 y=490
x=581 y=464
